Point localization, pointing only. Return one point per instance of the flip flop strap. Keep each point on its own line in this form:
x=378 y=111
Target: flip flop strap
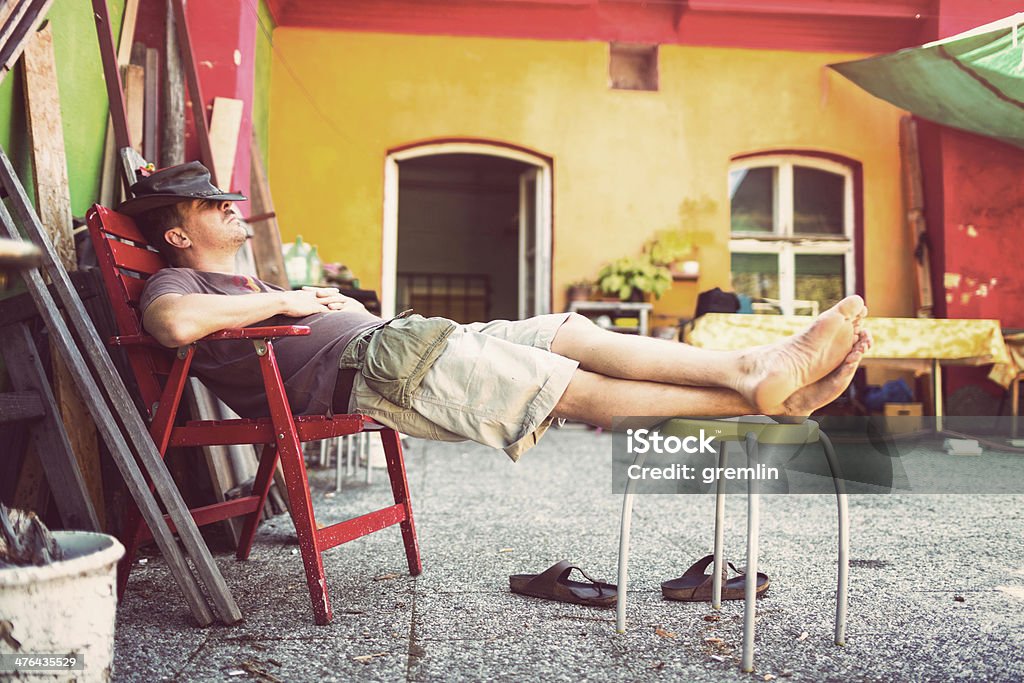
x=558 y=571
x=597 y=584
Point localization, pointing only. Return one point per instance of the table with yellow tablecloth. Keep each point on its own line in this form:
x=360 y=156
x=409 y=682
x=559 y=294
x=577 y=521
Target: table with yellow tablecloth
x=918 y=344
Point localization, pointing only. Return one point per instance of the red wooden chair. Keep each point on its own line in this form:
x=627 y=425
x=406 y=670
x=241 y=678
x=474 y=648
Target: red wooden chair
x=125 y=262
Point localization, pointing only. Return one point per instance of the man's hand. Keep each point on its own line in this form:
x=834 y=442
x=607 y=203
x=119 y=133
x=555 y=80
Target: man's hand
x=310 y=300
x=176 y=319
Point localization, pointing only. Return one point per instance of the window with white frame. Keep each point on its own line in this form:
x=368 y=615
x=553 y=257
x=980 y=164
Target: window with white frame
x=792 y=232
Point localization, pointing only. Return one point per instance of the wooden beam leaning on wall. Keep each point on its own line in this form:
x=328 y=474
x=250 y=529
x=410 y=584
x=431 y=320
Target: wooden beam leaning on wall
x=53 y=202
x=108 y=396
x=21 y=22
x=266 y=235
x=913 y=200
x=110 y=175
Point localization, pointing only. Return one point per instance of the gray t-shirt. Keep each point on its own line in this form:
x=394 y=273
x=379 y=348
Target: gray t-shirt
x=230 y=369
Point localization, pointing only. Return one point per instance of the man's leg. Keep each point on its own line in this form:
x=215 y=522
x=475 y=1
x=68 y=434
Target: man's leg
x=764 y=376
x=595 y=398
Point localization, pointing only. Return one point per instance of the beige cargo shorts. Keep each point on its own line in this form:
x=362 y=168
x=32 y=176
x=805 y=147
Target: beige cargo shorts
x=495 y=383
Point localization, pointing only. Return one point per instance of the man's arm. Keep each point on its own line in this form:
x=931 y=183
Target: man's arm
x=178 y=319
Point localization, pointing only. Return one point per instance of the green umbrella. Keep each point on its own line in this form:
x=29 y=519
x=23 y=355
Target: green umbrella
x=973 y=80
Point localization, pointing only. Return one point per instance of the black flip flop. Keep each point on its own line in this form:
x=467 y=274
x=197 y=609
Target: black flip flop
x=554 y=584
x=696 y=586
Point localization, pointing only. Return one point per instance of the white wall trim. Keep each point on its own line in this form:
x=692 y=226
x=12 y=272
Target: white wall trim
x=389 y=239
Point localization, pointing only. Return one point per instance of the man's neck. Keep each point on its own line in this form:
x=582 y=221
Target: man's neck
x=212 y=263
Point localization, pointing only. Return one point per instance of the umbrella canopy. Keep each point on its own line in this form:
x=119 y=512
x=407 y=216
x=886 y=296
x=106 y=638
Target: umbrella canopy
x=973 y=80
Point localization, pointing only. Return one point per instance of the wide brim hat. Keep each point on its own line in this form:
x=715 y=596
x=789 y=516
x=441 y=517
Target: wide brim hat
x=172 y=185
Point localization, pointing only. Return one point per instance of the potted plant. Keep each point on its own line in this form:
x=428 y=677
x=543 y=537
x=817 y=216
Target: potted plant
x=579 y=290
x=631 y=278
x=674 y=249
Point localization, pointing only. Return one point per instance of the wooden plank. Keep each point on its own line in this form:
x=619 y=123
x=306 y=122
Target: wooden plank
x=81 y=433
x=113 y=398
x=47 y=436
x=109 y=175
x=172 y=144
x=13 y=13
x=266 y=236
x=152 y=105
x=195 y=89
x=224 y=127
x=12 y=21
x=913 y=195
x=53 y=202
x=112 y=80
x=7 y=8
x=135 y=103
x=32 y=491
x=217 y=459
x=28 y=25
x=18 y=406
x=46 y=139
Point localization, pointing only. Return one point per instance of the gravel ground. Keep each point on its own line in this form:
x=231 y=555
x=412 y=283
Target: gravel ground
x=936 y=584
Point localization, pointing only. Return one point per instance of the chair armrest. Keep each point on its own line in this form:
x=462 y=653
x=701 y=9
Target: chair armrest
x=259 y=332
x=234 y=333
x=135 y=340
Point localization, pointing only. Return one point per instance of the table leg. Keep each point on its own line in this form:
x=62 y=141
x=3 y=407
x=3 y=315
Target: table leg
x=937 y=392
x=1014 y=405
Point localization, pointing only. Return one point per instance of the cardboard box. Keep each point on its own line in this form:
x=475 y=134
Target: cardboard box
x=902 y=418
x=894 y=409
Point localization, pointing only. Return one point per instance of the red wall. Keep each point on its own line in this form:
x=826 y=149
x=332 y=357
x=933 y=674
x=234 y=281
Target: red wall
x=983 y=227
x=217 y=30
x=974 y=197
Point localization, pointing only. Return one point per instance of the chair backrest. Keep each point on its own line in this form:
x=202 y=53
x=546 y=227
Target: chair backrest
x=126 y=261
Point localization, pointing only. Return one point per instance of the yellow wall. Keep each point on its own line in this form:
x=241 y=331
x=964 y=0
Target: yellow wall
x=623 y=161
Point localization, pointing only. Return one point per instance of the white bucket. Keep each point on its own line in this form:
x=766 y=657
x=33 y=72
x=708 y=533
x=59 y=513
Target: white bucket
x=65 y=609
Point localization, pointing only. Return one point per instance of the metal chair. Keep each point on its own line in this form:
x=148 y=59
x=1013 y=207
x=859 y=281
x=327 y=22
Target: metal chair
x=125 y=261
x=750 y=431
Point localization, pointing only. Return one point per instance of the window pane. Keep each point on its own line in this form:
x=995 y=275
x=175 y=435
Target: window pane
x=752 y=195
x=817 y=201
x=820 y=278
x=756 y=275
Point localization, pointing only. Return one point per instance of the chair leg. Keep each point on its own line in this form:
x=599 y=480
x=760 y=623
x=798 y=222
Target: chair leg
x=750 y=586
x=716 y=581
x=290 y=452
x=844 y=539
x=400 y=489
x=624 y=528
x=260 y=487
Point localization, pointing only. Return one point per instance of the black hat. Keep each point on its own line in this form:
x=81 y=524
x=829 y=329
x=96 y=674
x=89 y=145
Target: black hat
x=173 y=185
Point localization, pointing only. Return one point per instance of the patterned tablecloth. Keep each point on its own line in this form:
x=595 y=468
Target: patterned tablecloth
x=908 y=342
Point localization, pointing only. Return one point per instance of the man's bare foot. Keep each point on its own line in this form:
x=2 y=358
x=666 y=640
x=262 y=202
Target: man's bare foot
x=830 y=387
x=773 y=373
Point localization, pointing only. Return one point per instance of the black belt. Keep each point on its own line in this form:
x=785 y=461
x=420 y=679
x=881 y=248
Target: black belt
x=343 y=390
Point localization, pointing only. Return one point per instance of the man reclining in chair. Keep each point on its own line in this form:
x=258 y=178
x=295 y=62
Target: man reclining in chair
x=499 y=383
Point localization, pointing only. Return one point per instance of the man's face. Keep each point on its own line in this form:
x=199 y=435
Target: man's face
x=214 y=225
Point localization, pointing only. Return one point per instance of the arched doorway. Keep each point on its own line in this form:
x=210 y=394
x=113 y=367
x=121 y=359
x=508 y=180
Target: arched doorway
x=467 y=231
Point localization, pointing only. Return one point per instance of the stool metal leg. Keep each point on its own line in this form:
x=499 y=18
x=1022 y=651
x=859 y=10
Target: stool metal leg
x=750 y=592
x=716 y=582
x=338 y=456
x=323 y=452
x=369 y=468
x=844 y=538
x=627 y=518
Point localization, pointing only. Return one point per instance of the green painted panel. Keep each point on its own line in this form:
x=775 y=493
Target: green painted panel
x=83 y=100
